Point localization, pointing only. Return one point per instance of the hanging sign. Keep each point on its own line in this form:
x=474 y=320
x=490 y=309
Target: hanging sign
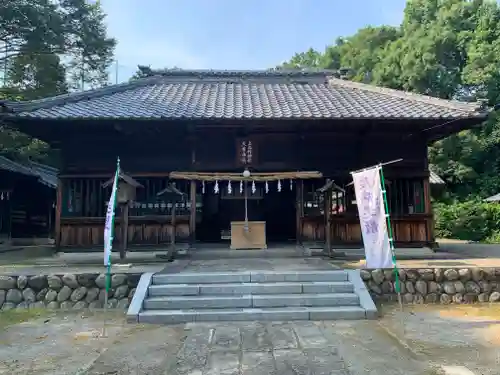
x=372 y=217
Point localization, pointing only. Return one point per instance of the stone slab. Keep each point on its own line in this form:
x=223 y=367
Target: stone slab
x=197 y=302
x=202 y=278
x=140 y=294
x=258 y=363
x=298 y=276
x=365 y=300
x=335 y=313
x=328 y=287
x=288 y=300
x=174 y=290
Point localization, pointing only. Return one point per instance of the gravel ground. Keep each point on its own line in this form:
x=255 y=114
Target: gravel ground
x=70 y=343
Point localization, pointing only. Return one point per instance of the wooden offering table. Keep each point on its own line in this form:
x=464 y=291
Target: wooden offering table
x=254 y=238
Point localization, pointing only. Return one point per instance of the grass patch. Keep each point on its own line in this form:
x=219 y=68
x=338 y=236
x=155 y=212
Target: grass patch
x=12 y=317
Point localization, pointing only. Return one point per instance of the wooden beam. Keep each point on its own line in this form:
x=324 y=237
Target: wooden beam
x=428 y=210
x=299 y=190
x=58 y=213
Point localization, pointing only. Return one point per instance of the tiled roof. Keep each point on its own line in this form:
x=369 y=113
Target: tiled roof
x=179 y=94
x=45 y=174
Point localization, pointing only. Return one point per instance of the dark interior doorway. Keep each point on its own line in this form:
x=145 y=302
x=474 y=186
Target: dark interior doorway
x=277 y=209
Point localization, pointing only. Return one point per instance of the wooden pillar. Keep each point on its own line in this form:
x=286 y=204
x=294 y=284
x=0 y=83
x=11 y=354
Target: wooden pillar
x=428 y=210
x=328 y=213
x=124 y=230
x=192 y=196
x=58 y=213
x=299 y=212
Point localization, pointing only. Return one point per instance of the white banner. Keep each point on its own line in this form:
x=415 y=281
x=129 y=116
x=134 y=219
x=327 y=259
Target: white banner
x=110 y=221
x=370 y=202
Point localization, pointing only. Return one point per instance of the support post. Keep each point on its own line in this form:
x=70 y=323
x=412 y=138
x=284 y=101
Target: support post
x=428 y=211
x=58 y=214
x=192 y=216
x=299 y=191
x=124 y=229
x=328 y=213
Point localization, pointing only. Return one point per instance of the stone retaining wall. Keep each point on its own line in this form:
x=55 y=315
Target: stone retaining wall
x=69 y=291
x=439 y=285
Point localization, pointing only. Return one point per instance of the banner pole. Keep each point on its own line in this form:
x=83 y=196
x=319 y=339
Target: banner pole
x=110 y=216
x=397 y=284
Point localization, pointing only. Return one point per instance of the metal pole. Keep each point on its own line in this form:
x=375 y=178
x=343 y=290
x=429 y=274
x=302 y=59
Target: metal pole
x=246 y=207
x=377 y=165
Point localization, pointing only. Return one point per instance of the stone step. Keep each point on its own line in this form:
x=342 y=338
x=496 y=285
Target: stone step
x=252 y=314
x=248 y=277
x=251 y=288
x=249 y=301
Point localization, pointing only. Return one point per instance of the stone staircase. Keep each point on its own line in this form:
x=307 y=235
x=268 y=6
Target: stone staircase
x=251 y=296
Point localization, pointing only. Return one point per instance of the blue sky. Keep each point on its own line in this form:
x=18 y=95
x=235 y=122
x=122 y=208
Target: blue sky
x=233 y=34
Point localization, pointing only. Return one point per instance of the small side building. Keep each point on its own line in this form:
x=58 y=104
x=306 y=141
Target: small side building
x=27 y=201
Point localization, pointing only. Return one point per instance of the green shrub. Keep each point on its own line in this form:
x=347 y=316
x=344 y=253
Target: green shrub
x=470 y=220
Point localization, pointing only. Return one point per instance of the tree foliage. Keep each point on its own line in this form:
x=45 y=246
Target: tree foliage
x=444 y=48
x=49 y=47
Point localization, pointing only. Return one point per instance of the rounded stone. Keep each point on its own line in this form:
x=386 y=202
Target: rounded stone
x=37 y=305
x=95 y=305
x=131 y=293
x=66 y=305
x=432 y=298
x=438 y=274
x=464 y=274
x=421 y=287
x=2 y=297
x=374 y=287
x=449 y=287
x=365 y=275
x=402 y=275
x=92 y=295
x=122 y=304
x=485 y=286
x=470 y=298
x=412 y=275
x=14 y=296
x=472 y=287
x=418 y=299
x=489 y=273
x=119 y=279
x=40 y=296
x=477 y=274
x=8 y=306
x=133 y=280
x=51 y=295
x=445 y=299
x=54 y=282
x=70 y=280
x=451 y=274
x=408 y=298
x=86 y=279
x=78 y=294
x=29 y=295
x=80 y=305
x=64 y=293
x=459 y=286
x=102 y=294
x=434 y=287
x=410 y=288
x=53 y=305
x=483 y=297
x=495 y=297
x=100 y=281
x=122 y=291
x=458 y=298
x=389 y=275
x=378 y=276
x=7 y=282
x=38 y=282
x=112 y=303
x=426 y=274
x=386 y=287
x=23 y=306
x=22 y=282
